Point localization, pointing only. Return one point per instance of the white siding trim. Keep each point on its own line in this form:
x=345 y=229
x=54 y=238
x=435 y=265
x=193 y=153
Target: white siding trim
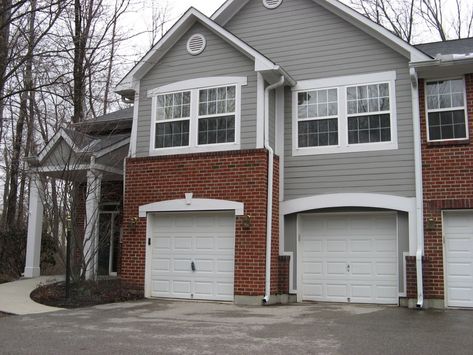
x=370 y=200
x=199 y=83
x=197 y=204
x=134 y=127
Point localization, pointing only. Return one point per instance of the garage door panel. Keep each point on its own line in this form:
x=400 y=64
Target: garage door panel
x=361 y=269
x=205 y=243
x=225 y=243
x=458 y=234
x=207 y=239
x=337 y=291
x=459 y=269
x=337 y=246
x=161 y=265
x=367 y=243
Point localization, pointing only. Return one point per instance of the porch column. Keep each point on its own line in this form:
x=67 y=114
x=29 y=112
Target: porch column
x=94 y=183
x=35 y=227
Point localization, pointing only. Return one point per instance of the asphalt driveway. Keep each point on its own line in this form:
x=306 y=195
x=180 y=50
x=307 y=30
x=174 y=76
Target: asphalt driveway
x=167 y=327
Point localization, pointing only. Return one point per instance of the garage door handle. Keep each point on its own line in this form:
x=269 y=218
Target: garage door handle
x=192 y=266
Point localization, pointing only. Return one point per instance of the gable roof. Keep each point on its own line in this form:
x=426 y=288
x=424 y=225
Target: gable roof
x=231 y=7
x=459 y=46
x=192 y=16
x=81 y=143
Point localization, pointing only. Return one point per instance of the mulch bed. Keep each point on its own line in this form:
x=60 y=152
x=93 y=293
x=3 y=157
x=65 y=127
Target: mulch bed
x=85 y=294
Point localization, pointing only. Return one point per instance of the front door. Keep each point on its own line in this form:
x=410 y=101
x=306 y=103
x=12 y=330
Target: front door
x=109 y=241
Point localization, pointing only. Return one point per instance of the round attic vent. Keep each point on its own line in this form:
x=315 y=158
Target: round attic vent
x=196 y=44
x=272 y=4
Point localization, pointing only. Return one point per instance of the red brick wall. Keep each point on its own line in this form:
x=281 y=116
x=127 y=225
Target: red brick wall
x=448 y=184
x=237 y=176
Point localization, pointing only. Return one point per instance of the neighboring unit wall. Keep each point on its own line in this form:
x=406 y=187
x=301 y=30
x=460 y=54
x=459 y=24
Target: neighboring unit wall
x=218 y=59
x=312 y=43
x=236 y=176
x=447 y=170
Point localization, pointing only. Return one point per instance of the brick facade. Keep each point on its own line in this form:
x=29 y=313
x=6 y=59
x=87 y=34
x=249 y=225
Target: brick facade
x=447 y=172
x=236 y=176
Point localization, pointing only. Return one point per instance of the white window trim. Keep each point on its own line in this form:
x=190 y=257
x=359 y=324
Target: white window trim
x=341 y=83
x=194 y=85
x=427 y=110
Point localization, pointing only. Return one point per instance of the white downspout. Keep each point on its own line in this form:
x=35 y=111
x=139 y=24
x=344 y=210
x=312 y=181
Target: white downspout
x=269 y=213
x=419 y=192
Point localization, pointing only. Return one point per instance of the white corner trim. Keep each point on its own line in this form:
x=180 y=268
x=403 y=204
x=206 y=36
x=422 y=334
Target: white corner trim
x=259 y=111
x=197 y=204
x=398 y=203
x=199 y=83
x=134 y=127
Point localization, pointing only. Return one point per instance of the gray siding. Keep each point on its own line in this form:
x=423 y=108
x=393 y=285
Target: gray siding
x=218 y=59
x=312 y=43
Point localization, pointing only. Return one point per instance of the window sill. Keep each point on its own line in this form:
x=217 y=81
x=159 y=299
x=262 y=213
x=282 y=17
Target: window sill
x=192 y=150
x=449 y=143
x=354 y=148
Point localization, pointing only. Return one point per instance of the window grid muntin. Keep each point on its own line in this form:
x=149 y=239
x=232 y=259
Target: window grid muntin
x=380 y=98
x=182 y=136
x=221 y=128
x=311 y=131
x=229 y=101
x=453 y=109
x=375 y=127
x=311 y=108
x=169 y=102
x=458 y=93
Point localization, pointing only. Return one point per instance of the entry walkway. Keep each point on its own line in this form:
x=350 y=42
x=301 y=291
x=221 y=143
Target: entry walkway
x=15 y=296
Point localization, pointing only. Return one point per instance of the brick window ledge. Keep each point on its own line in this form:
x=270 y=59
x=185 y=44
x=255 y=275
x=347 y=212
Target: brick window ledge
x=449 y=143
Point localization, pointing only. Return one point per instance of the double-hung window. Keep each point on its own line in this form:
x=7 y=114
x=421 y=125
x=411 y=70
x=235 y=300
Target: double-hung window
x=196 y=115
x=317 y=113
x=173 y=120
x=345 y=114
x=446 y=110
x=217 y=115
x=369 y=116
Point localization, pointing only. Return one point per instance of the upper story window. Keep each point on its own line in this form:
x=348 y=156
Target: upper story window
x=196 y=115
x=446 y=110
x=345 y=114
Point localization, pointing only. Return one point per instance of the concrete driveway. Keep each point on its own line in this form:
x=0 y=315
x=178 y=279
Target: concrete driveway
x=168 y=327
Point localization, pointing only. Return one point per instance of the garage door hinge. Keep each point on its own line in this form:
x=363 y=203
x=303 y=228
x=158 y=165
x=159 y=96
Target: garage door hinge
x=149 y=241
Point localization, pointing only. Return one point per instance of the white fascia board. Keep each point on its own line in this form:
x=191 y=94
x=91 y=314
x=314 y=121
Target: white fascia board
x=181 y=27
x=225 y=12
x=190 y=204
x=372 y=28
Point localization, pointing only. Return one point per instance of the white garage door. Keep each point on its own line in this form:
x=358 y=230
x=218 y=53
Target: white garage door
x=193 y=255
x=349 y=258
x=458 y=231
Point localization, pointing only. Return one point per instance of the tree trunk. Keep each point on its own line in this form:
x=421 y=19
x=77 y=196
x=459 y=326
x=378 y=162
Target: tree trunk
x=5 y=13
